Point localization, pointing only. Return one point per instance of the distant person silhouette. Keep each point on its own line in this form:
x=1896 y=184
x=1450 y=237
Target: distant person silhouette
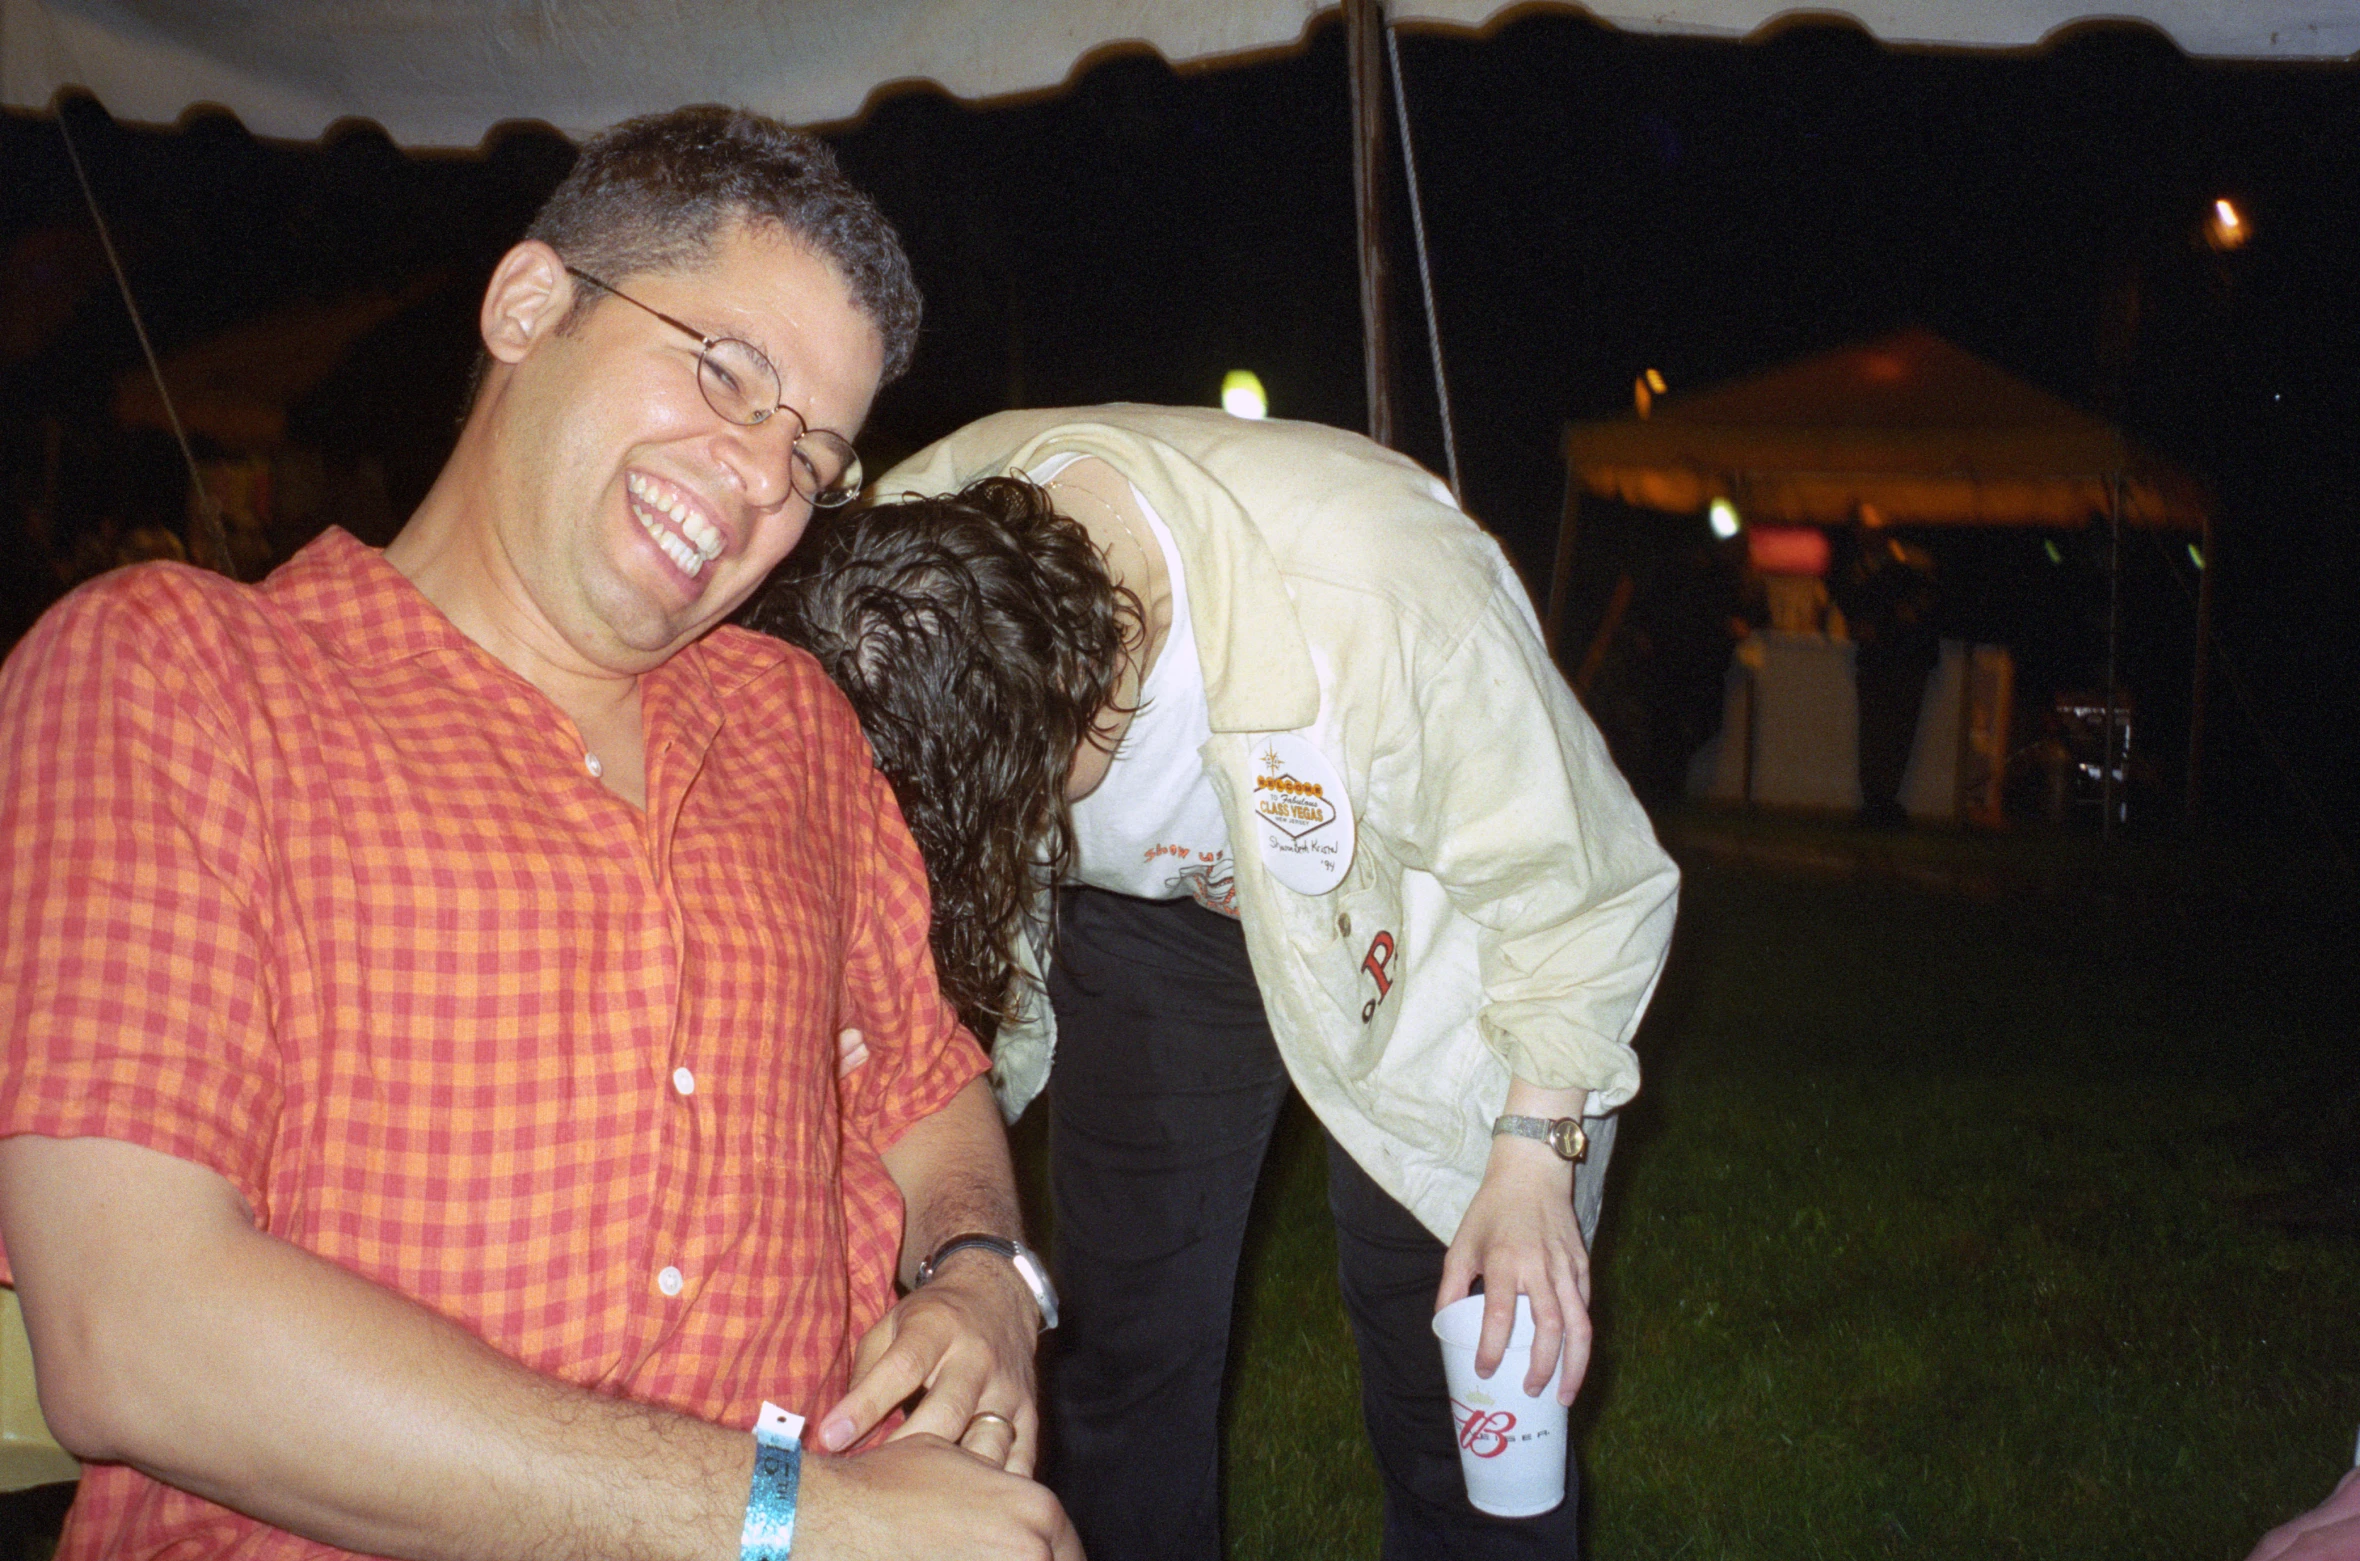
x=1887 y=596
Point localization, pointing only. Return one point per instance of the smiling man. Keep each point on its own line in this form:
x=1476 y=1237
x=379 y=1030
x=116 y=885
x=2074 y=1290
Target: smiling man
x=420 y=972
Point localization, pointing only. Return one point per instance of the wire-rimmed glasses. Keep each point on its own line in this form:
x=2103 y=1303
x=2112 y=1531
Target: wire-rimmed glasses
x=741 y=385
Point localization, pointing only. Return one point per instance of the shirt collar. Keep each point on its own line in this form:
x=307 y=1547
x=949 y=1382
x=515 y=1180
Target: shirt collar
x=370 y=614
x=365 y=610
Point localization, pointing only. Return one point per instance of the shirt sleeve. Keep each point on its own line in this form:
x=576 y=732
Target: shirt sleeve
x=133 y=887
x=920 y=1055
x=1512 y=803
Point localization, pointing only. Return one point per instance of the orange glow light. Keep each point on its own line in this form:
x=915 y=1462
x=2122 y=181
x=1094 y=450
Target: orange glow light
x=1787 y=550
x=2225 y=227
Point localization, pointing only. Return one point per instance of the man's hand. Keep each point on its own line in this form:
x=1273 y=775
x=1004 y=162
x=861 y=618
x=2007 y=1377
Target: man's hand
x=967 y=1339
x=1520 y=1234
x=920 y=1496
x=852 y=1049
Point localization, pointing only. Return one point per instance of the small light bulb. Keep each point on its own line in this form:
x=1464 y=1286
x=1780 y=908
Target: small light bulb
x=1722 y=516
x=1241 y=394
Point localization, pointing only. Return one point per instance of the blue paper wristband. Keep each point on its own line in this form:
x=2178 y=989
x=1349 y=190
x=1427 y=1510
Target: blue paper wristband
x=769 y=1534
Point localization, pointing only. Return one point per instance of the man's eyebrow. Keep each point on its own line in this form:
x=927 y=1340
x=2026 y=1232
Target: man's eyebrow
x=761 y=347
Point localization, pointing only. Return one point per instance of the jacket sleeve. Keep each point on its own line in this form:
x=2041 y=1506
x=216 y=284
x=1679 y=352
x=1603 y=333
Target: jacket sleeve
x=1505 y=793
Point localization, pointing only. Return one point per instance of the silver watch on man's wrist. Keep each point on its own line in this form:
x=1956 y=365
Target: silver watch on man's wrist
x=1563 y=1134
x=1023 y=1259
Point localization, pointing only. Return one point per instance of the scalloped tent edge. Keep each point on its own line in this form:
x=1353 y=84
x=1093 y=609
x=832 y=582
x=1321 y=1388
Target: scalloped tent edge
x=442 y=73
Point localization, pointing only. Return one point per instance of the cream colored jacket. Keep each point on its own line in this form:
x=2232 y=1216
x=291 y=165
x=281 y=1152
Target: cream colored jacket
x=1507 y=908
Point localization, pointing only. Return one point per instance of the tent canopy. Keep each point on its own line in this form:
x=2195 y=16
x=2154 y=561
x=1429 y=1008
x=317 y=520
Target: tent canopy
x=443 y=72
x=1907 y=429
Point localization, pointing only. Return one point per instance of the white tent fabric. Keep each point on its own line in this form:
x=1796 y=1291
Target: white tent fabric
x=443 y=72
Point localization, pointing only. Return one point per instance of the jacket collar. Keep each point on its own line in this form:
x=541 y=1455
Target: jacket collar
x=1258 y=670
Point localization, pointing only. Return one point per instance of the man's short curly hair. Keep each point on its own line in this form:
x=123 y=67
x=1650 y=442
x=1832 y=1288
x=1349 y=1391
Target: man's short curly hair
x=656 y=193
x=979 y=638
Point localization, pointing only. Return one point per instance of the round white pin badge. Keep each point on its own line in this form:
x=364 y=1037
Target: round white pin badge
x=1302 y=817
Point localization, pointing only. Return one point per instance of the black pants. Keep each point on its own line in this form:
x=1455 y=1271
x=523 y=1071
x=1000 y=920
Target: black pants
x=1166 y=1089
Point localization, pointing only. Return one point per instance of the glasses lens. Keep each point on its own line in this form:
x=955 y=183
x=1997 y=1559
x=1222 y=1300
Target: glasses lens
x=738 y=382
x=827 y=472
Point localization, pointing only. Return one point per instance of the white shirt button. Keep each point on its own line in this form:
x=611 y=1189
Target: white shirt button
x=669 y=1281
x=684 y=1081
x=590 y=763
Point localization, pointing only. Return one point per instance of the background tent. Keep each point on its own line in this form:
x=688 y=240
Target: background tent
x=1908 y=430
x=442 y=72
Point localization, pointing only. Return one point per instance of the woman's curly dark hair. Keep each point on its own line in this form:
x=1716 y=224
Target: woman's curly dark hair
x=979 y=638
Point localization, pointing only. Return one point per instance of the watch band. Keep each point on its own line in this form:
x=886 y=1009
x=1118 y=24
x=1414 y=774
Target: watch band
x=1563 y=1134
x=1023 y=1259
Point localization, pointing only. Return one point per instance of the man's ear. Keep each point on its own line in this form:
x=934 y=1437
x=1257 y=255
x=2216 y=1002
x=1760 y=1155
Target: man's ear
x=529 y=294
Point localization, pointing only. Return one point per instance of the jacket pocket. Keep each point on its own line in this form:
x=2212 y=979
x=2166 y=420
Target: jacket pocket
x=1359 y=966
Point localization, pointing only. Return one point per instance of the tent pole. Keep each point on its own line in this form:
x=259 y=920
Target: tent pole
x=2204 y=587
x=1753 y=709
x=1417 y=227
x=208 y=546
x=2106 y=764
x=1364 y=30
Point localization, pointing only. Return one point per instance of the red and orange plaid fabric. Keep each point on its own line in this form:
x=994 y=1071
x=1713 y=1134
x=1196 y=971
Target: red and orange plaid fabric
x=299 y=883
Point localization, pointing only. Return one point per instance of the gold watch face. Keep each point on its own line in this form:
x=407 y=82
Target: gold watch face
x=1568 y=1139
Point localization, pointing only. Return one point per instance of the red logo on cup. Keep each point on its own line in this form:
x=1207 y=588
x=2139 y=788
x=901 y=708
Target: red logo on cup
x=1484 y=1434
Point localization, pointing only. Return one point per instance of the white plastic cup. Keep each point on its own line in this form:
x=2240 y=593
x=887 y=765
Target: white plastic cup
x=1511 y=1443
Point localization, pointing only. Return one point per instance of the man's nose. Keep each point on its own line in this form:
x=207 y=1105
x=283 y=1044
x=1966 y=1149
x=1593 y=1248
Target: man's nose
x=762 y=457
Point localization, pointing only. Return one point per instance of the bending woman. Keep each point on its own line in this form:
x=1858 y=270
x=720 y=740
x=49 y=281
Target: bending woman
x=1277 y=718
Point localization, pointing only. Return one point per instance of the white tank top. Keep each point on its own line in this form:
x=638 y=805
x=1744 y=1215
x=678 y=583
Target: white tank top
x=1153 y=828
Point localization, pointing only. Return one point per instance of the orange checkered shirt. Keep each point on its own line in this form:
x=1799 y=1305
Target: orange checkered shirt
x=301 y=884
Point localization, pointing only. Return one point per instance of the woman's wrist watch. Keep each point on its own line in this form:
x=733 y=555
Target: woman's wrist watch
x=1563 y=1134
x=1023 y=1259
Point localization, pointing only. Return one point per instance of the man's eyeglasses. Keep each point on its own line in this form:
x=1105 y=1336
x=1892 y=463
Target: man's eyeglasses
x=742 y=386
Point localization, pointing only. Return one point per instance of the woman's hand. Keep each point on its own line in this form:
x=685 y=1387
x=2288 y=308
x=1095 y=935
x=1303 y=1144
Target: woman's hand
x=1519 y=1233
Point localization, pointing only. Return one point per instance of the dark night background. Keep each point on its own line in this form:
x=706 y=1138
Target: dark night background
x=1598 y=204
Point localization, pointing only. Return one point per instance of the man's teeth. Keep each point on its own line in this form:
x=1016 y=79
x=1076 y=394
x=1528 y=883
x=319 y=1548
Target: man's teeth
x=703 y=541
x=701 y=534
x=678 y=551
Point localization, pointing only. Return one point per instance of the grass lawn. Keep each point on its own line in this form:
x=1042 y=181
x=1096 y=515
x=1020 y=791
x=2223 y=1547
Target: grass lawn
x=1925 y=1240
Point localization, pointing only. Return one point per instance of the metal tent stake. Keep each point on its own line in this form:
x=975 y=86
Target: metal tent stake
x=2106 y=785
x=2204 y=589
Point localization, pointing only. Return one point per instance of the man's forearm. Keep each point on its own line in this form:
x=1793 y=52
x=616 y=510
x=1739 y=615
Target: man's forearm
x=966 y=1340
x=955 y=1176
x=171 y=1335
